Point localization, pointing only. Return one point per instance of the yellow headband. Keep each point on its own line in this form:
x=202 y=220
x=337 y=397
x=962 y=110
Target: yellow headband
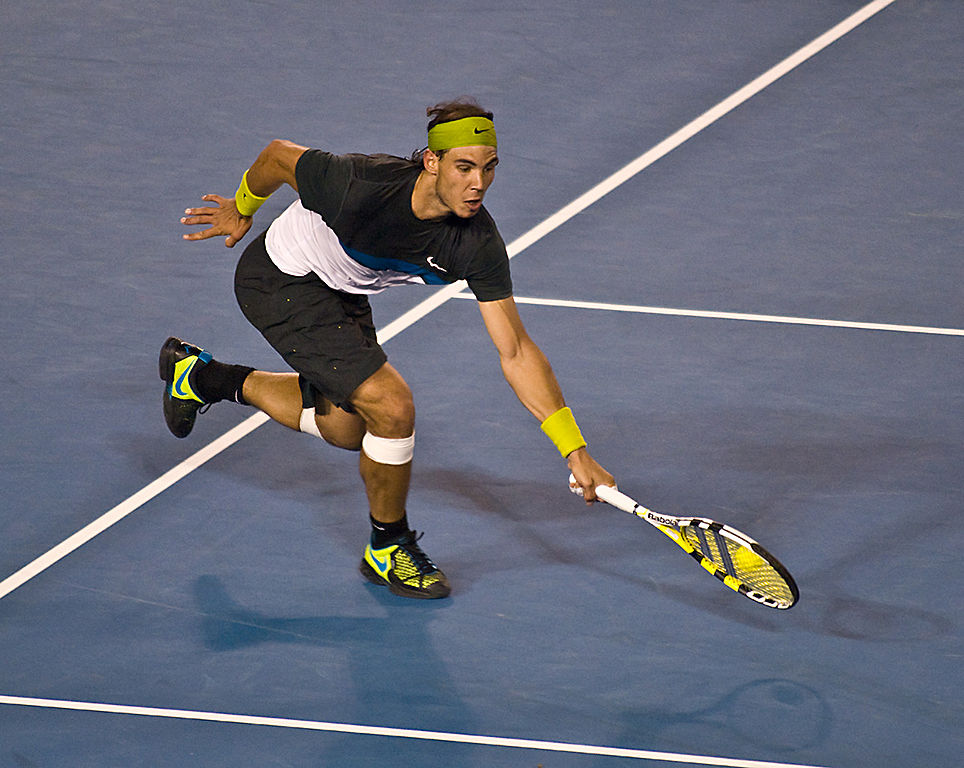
x=467 y=132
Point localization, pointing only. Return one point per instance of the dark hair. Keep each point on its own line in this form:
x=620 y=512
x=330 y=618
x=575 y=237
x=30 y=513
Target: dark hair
x=464 y=106
x=446 y=111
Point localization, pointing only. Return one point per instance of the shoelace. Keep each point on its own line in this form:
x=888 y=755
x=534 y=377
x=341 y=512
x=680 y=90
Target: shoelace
x=422 y=561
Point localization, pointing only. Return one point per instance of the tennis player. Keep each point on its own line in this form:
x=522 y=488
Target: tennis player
x=362 y=223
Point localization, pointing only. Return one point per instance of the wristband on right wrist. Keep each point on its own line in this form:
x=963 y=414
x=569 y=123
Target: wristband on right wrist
x=562 y=429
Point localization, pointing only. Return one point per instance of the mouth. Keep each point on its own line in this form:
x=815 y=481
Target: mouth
x=473 y=205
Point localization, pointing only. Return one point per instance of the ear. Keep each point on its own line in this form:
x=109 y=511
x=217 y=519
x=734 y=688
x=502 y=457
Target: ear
x=430 y=161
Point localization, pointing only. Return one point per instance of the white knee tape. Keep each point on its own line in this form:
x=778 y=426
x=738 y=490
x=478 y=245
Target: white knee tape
x=385 y=450
x=308 y=425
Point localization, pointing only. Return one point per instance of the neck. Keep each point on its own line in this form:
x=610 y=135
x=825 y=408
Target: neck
x=426 y=204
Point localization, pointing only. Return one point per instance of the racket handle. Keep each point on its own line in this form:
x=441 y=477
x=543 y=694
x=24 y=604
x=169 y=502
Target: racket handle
x=617 y=499
x=608 y=494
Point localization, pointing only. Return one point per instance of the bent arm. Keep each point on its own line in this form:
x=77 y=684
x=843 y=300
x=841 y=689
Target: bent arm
x=275 y=166
x=528 y=372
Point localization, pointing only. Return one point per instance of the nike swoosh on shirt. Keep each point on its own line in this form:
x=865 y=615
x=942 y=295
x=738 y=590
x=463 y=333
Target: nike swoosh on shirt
x=431 y=263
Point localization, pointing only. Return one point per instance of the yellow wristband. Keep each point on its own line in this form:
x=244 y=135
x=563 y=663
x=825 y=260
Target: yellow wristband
x=246 y=201
x=562 y=429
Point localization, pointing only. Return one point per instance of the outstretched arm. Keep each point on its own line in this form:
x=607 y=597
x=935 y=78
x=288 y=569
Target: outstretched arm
x=275 y=166
x=529 y=374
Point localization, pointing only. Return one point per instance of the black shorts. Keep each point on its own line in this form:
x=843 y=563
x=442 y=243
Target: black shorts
x=327 y=336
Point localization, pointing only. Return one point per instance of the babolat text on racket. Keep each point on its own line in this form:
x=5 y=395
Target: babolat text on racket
x=734 y=558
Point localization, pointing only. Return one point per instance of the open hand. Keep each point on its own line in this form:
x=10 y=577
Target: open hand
x=222 y=220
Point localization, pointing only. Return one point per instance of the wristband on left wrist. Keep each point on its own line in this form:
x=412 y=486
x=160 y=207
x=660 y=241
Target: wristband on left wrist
x=246 y=201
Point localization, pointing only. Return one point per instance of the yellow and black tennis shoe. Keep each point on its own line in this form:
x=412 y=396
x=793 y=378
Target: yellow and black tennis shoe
x=404 y=568
x=178 y=365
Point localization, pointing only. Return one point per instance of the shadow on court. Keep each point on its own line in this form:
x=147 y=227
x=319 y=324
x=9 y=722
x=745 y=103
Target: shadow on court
x=774 y=714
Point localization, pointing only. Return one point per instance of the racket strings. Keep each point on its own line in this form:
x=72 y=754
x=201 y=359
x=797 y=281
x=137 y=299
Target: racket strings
x=738 y=560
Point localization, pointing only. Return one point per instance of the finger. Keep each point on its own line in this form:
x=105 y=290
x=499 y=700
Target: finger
x=201 y=235
x=584 y=489
x=239 y=232
x=198 y=219
x=202 y=211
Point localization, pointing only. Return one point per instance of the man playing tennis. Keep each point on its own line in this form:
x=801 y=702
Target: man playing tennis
x=361 y=224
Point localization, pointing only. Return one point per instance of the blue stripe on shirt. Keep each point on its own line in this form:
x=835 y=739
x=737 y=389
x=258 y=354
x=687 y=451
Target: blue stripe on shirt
x=397 y=265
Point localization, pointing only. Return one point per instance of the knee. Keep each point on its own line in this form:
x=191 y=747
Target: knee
x=393 y=416
x=384 y=401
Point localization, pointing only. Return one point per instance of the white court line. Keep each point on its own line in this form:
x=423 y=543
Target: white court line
x=786 y=319
x=606 y=186
x=403 y=733
x=127 y=506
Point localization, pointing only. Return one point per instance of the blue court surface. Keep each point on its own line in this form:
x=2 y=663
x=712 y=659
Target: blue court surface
x=759 y=321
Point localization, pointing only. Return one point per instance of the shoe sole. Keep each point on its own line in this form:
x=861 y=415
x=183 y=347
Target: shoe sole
x=397 y=589
x=165 y=361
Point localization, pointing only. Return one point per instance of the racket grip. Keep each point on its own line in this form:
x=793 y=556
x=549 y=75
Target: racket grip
x=608 y=494
x=617 y=499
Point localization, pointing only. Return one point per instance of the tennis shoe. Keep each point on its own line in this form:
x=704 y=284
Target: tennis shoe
x=404 y=568
x=178 y=366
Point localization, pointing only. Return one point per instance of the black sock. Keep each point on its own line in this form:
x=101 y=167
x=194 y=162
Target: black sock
x=220 y=381
x=383 y=533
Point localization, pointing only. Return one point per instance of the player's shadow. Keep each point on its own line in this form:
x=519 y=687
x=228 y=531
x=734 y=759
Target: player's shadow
x=394 y=653
x=227 y=626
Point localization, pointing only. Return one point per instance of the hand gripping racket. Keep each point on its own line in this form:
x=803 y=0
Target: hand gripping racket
x=734 y=558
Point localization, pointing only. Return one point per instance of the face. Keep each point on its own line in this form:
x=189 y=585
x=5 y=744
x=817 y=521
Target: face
x=462 y=175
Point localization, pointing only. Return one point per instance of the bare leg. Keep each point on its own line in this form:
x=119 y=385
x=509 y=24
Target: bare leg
x=385 y=403
x=387 y=488
x=385 y=408
x=279 y=396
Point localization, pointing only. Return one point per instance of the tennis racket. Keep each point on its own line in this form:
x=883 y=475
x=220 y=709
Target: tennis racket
x=734 y=558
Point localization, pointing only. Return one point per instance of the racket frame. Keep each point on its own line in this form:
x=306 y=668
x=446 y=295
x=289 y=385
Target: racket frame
x=673 y=528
